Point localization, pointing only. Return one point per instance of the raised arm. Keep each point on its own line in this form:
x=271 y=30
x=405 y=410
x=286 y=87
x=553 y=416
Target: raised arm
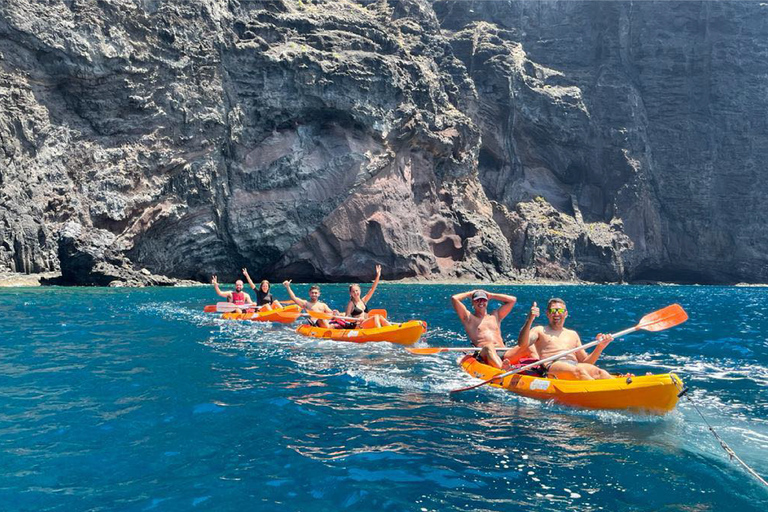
x=250 y=281
x=459 y=306
x=294 y=298
x=525 y=337
x=215 y=283
x=582 y=356
x=373 y=288
x=508 y=303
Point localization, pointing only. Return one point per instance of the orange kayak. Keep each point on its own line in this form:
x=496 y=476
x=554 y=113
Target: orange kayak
x=263 y=316
x=655 y=394
x=406 y=333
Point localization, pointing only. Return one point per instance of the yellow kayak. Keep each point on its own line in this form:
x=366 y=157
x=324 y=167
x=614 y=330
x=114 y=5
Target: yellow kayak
x=406 y=333
x=655 y=394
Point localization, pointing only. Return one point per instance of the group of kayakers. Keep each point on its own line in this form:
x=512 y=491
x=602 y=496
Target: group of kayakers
x=355 y=316
x=482 y=327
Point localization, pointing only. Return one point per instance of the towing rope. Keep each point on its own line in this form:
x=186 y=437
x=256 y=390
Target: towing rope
x=731 y=454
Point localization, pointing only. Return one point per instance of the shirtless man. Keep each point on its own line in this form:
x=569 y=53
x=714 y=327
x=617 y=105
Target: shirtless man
x=554 y=338
x=237 y=297
x=313 y=304
x=484 y=328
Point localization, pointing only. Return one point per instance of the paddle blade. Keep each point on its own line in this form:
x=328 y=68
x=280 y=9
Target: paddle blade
x=665 y=318
x=320 y=315
x=228 y=307
x=380 y=312
x=426 y=350
x=285 y=316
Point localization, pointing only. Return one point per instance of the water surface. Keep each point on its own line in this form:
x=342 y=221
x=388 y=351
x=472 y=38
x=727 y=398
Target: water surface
x=120 y=399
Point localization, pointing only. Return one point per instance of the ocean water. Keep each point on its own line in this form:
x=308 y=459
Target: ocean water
x=121 y=399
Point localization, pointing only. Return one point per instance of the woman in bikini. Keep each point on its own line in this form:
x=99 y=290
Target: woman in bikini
x=357 y=307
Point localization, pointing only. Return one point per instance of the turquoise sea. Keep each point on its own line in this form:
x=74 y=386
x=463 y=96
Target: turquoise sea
x=134 y=399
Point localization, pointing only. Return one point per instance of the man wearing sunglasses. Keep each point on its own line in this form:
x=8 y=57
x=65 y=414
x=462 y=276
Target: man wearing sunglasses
x=482 y=327
x=546 y=341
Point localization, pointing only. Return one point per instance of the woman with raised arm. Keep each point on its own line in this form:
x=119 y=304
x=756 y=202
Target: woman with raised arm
x=264 y=298
x=357 y=307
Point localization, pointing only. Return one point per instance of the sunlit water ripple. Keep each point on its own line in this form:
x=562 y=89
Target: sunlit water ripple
x=136 y=400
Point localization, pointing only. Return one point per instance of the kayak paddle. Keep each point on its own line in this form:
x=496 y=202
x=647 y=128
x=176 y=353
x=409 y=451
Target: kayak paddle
x=293 y=315
x=664 y=318
x=328 y=316
x=438 y=350
x=226 y=307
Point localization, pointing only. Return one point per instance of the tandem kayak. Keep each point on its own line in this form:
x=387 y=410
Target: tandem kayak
x=406 y=333
x=271 y=315
x=655 y=394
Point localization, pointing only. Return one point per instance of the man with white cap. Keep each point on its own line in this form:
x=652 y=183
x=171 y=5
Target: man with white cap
x=482 y=327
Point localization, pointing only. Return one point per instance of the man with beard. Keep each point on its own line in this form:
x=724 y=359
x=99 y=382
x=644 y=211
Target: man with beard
x=313 y=304
x=237 y=297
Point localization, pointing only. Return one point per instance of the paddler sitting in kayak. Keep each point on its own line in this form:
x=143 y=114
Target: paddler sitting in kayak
x=483 y=328
x=264 y=298
x=357 y=308
x=237 y=297
x=545 y=341
x=313 y=304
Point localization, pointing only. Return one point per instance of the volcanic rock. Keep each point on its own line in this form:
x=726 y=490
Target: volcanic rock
x=603 y=141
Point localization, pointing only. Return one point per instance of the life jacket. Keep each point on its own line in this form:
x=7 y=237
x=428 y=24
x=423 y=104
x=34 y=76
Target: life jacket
x=263 y=298
x=536 y=371
x=238 y=298
x=339 y=323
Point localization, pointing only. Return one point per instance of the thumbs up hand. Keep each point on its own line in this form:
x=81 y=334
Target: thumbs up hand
x=534 y=310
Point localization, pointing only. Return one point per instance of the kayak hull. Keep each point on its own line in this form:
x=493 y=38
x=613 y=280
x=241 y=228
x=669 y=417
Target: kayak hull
x=265 y=316
x=653 y=394
x=406 y=333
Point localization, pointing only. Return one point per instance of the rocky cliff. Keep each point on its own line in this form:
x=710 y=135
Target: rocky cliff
x=604 y=141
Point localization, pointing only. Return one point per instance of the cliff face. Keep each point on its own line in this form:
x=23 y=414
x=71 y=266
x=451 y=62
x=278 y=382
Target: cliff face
x=665 y=131
x=441 y=139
